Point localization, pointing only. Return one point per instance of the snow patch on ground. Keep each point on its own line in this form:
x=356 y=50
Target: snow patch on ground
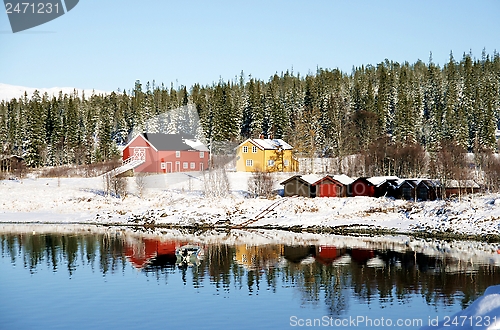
x=82 y=200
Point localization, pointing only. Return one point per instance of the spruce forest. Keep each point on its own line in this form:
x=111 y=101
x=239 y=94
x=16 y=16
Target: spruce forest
x=390 y=119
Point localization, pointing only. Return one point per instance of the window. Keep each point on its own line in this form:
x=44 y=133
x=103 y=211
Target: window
x=270 y=162
x=177 y=154
x=202 y=154
x=249 y=162
x=163 y=166
x=286 y=162
x=254 y=149
x=245 y=149
x=192 y=165
x=185 y=165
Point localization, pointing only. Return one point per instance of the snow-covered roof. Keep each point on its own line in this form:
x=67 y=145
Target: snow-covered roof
x=342 y=178
x=196 y=144
x=270 y=144
x=413 y=182
x=378 y=180
x=462 y=184
x=310 y=178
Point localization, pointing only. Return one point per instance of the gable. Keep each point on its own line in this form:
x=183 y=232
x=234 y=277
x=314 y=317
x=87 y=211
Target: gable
x=135 y=141
x=266 y=144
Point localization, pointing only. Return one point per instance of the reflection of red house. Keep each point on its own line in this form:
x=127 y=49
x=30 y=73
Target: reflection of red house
x=141 y=252
x=166 y=153
x=362 y=187
x=361 y=256
x=327 y=254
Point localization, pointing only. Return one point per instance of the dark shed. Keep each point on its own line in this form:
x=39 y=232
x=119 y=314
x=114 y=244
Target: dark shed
x=300 y=185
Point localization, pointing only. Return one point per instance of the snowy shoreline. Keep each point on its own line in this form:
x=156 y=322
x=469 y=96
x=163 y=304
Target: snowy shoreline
x=182 y=204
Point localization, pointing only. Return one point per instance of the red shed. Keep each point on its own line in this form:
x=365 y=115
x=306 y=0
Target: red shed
x=165 y=153
x=332 y=186
x=362 y=187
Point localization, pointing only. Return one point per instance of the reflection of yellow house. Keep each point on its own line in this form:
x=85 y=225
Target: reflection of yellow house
x=267 y=155
x=258 y=257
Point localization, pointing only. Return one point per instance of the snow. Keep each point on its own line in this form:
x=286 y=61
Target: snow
x=177 y=199
x=8 y=92
x=36 y=204
x=311 y=178
x=378 y=180
x=342 y=178
x=271 y=144
x=484 y=313
x=196 y=144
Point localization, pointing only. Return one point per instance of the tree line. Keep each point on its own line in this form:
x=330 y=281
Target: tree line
x=399 y=118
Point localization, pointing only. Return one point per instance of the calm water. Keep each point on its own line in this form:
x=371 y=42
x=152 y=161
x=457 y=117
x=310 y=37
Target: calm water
x=125 y=280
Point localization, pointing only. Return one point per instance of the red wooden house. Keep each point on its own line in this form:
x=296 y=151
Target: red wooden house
x=166 y=153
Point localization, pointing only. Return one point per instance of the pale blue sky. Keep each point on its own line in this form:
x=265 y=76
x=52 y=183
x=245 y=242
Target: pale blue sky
x=106 y=45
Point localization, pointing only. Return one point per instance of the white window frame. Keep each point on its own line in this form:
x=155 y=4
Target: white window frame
x=249 y=162
x=270 y=162
x=185 y=165
x=163 y=166
x=192 y=165
x=286 y=162
x=177 y=154
x=254 y=149
x=244 y=149
x=202 y=154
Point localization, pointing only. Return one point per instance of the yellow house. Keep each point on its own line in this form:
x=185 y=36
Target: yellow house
x=267 y=155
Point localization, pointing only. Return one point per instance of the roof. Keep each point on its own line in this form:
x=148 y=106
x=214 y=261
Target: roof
x=462 y=184
x=342 y=178
x=196 y=144
x=308 y=179
x=378 y=180
x=311 y=178
x=269 y=144
x=413 y=182
x=173 y=142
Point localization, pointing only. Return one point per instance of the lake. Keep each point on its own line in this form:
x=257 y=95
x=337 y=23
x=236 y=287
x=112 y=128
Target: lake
x=78 y=277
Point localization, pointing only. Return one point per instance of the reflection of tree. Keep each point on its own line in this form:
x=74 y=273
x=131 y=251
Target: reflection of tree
x=403 y=275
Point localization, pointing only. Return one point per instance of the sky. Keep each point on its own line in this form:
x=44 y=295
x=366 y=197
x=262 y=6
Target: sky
x=108 y=45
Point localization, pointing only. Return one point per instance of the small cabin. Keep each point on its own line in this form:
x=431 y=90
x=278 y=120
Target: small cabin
x=417 y=189
x=300 y=185
x=361 y=187
x=461 y=187
x=333 y=186
x=10 y=163
x=384 y=185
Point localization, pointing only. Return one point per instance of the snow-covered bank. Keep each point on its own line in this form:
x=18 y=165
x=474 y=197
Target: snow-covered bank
x=484 y=313
x=77 y=200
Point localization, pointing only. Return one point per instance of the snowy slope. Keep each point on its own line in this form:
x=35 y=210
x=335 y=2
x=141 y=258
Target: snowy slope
x=181 y=202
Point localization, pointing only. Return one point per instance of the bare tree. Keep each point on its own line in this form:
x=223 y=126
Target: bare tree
x=260 y=184
x=215 y=180
x=140 y=182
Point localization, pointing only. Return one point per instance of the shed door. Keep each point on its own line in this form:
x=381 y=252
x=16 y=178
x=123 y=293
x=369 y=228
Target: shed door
x=328 y=190
x=422 y=193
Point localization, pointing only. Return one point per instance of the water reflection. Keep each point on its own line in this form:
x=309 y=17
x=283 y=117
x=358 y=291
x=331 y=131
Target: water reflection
x=337 y=275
